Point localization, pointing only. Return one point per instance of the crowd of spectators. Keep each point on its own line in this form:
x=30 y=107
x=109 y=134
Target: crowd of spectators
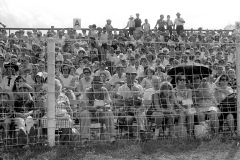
x=105 y=67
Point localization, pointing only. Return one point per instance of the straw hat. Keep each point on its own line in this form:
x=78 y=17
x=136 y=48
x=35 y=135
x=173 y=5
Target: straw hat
x=151 y=55
x=131 y=69
x=25 y=85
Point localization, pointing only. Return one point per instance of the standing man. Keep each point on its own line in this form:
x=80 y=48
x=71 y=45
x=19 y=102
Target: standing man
x=104 y=40
x=179 y=23
x=130 y=25
x=146 y=26
x=138 y=23
x=169 y=24
x=161 y=23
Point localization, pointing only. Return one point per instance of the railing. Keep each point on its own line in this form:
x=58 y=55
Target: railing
x=115 y=29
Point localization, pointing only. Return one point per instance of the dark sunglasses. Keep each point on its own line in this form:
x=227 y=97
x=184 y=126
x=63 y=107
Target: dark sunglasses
x=86 y=72
x=132 y=74
x=182 y=79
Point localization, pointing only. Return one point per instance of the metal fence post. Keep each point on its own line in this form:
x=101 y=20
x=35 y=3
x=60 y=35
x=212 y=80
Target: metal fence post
x=51 y=91
x=238 y=82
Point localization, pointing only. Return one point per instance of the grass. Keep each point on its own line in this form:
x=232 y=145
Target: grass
x=180 y=149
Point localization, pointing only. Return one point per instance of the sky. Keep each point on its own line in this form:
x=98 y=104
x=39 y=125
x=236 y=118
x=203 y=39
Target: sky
x=208 y=14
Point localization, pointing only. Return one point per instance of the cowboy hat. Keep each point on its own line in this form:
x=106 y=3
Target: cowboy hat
x=178 y=13
x=11 y=65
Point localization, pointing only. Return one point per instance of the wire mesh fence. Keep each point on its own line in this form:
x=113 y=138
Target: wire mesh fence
x=86 y=91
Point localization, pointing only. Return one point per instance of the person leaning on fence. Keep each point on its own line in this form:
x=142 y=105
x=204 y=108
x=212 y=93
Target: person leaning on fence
x=94 y=104
x=166 y=106
x=63 y=114
x=129 y=98
x=222 y=91
x=24 y=111
x=184 y=98
x=205 y=103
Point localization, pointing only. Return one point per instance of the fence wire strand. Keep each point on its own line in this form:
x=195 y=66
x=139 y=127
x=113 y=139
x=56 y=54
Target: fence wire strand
x=190 y=102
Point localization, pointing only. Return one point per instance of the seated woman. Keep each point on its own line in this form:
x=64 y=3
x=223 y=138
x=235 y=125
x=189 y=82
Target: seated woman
x=65 y=78
x=184 y=97
x=147 y=82
x=221 y=92
x=85 y=82
x=160 y=72
x=166 y=106
x=63 y=113
x=205 y=103
x=39 y=81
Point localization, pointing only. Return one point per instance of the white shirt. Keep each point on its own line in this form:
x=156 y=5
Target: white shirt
x=104 y=38
x=131 y=23
x=126 y=93
x=147 y=95
x=79 y=71
x=177 y=22
x=66 y=81
x=6 y=85
x=115 y=78
x=146 y=27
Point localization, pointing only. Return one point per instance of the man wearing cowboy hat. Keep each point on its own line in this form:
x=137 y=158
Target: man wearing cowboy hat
x=178 y=23
x=109 y=26
x=130 y=25
x=8 y=80
x=126 y=93
x=92 y=98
